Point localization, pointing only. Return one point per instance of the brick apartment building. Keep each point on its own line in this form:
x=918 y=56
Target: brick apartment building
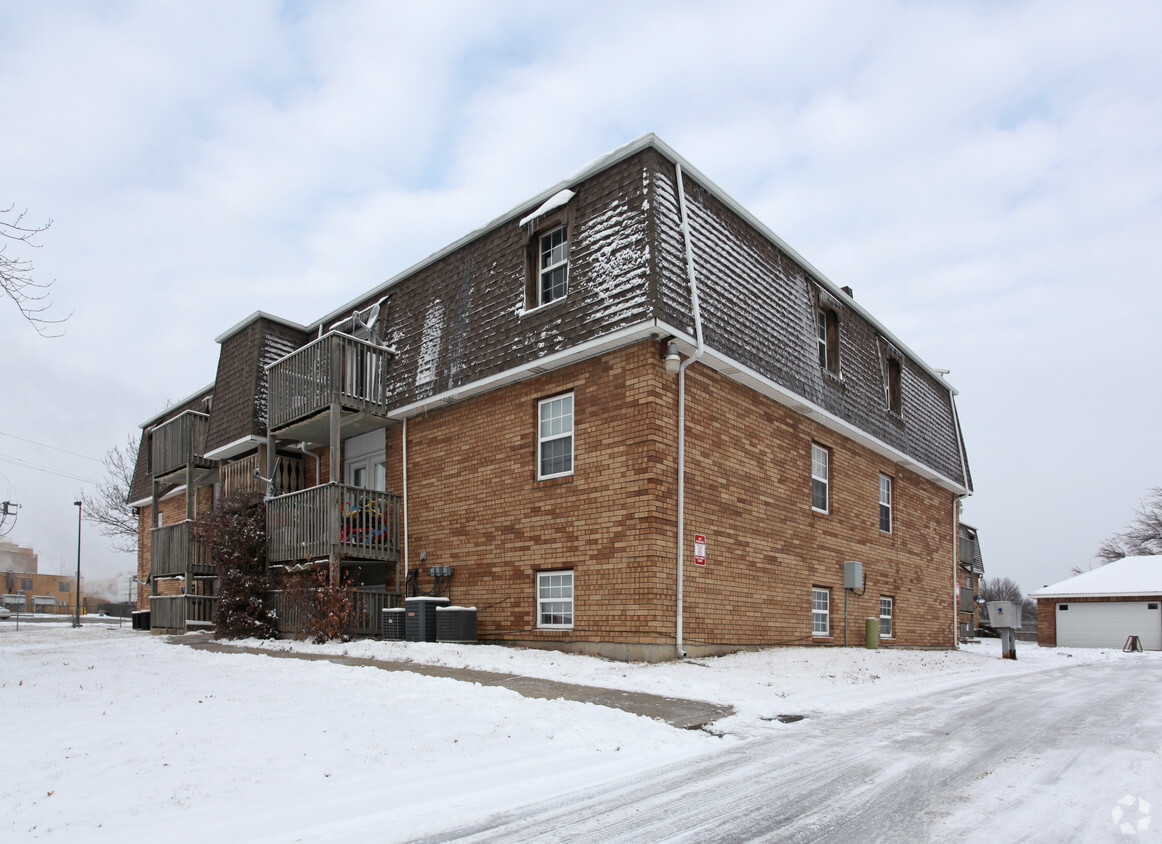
x=546 y=405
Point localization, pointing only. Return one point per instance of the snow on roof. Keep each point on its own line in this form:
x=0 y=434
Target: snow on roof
x=1127 y=576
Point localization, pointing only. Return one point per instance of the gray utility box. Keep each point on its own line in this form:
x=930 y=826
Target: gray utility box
x=1005 y=614
x=853 y=574
x=420 y=618
x=455 y=624
x=393 y=623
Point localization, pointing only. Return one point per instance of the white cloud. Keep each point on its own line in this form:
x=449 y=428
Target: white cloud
x=986 y=176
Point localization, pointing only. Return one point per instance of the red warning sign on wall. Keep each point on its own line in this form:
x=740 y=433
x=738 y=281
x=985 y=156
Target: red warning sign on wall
x=699 y=549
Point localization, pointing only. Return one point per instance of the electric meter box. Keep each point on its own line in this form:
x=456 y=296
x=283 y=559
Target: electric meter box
x=853 y=574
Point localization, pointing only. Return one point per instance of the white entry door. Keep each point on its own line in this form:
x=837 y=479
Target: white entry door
x=1107 y=624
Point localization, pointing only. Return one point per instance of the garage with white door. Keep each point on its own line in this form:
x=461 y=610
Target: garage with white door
x=1108 y=624
x=1104 y=607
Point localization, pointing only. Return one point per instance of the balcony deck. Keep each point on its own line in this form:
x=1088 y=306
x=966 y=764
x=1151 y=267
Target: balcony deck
x=336 y=369
x=173 y=552
x=347 y=521
x=178 y=443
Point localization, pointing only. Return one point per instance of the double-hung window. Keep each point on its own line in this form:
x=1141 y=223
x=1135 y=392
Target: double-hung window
x=552 y=266
x=885 y=617
x=820 y=474
x=820 y=612
x=555 y=599
x=827 y=339
x=885 y=504
x=555 y=437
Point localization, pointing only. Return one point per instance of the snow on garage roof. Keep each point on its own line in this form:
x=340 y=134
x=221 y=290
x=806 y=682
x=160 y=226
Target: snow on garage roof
x=1127 y=576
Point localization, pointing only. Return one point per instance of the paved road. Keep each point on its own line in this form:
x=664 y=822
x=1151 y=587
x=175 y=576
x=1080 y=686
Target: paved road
x=1042 y=757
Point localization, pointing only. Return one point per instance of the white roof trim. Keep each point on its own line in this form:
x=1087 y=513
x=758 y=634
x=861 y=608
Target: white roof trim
x=240 y=445
x=721 y=363
x=208 y=389
x=257 y=315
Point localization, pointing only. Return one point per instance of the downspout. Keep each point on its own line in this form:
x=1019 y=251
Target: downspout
x=318 y=466
x=404 y=437
x=682 y=400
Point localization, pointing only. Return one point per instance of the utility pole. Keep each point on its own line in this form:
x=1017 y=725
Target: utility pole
x=77 y=620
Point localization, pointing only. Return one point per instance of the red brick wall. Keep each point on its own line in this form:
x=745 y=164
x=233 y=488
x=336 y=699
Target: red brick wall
x=173 y=510
x=749 y=492
x=475 y=503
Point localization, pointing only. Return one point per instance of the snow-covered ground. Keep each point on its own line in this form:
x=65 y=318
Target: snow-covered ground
x=113 y=734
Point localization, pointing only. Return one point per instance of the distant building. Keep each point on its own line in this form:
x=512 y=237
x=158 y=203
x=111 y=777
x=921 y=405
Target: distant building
x=27 y=590
x=1102 y=608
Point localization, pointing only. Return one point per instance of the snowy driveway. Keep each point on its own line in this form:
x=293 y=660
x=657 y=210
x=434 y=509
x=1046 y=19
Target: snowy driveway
x=118 y=736
x=1039 y=757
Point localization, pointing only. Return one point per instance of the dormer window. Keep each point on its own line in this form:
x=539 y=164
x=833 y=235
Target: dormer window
x=895 y=399
x=827 y=339
x=553 y=266
x=548 y=230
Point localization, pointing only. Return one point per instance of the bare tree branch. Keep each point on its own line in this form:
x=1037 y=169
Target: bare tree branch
x=1142 y=537
x=16 y=279
x=109 y=508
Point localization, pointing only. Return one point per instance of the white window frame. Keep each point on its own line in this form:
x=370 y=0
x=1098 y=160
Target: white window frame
x=885 y=503
x=547 y=433
x=821 y=476
x=887 y=617
x=554 y=262
x=820 y=611
x=365 y=453
x=549 y=604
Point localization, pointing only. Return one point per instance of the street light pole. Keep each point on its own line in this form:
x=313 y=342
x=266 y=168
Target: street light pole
x=77 y=620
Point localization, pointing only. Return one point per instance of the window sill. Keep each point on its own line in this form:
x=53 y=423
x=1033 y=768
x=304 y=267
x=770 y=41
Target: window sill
x=554 y=480
x=819 y=512
x=524 y=312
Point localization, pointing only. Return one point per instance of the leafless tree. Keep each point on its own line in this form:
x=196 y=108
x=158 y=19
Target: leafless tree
x=109 y=507
x=30 y=295
x=1143 y=536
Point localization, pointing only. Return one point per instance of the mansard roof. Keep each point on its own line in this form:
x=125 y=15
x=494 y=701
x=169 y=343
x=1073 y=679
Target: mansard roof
x=460 y=324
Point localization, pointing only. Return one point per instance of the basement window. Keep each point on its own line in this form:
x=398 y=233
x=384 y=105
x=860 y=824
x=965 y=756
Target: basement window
x=555 y=599
x=820 y=612
x=886 y=613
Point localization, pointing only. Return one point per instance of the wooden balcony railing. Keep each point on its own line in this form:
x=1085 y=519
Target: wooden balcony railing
x=173 y=551
x=180 y=612
x=333 y=518
x=369 y=606
x=238 y=477
x=179 y=441
x=336 y=368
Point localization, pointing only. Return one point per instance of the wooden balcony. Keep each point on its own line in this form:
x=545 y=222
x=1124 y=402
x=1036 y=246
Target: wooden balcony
x=175 y=613
x=351 y=522
x=336 y=369
x=179 y=442
x=173 y=552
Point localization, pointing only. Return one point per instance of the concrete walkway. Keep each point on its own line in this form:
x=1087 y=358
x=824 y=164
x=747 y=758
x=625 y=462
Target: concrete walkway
x=677 y=712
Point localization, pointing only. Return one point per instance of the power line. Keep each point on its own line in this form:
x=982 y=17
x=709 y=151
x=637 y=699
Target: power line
x=30 y=465
x=53 y=447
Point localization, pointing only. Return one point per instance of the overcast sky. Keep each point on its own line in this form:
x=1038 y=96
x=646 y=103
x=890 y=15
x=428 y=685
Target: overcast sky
x=986 y=176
